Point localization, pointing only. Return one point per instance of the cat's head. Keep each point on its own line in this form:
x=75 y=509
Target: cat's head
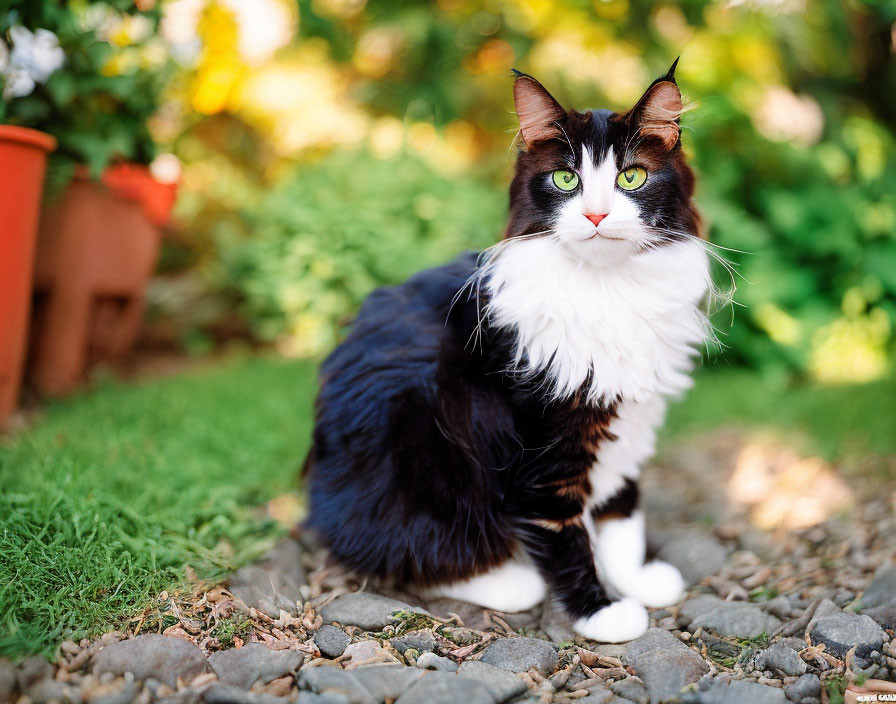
x=605 y=185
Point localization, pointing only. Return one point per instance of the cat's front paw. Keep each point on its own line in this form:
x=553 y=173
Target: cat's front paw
x=656 y=584
x=621 y=621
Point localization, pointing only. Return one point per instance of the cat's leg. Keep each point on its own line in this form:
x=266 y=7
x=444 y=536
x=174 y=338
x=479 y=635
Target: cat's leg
x=512 y=586
x=616 y=529
x=550 y=526
x=614 y=522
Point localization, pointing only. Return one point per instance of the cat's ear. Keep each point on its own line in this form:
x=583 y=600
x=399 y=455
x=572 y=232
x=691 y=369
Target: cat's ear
x=539 y=114
x=656 y=113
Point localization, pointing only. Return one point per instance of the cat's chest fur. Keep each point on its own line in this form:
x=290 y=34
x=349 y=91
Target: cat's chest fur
x=626 y=331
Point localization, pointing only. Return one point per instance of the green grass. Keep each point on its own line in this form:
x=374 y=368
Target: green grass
x=110 y=496
x=835 y=422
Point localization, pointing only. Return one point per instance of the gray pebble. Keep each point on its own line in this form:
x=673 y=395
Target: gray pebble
x=840 y=631
x=254 y=662
x=696 y=555
x=519 y=654
x=805 y=686
x=446 y=688
x=502 y=684
x=736 y=619
x=431 y=661
x=631 y=689
x=722 y=691
x=600 y=694
x=228 y=694
x=331 y=641
x=780 y=656
x=421 y=641
x=325 y=698
x=273 y=583
x=361 y=685
x=370 y=612
x=7 y=679
x=882 y=588
x=664 y=663
x=152 y=655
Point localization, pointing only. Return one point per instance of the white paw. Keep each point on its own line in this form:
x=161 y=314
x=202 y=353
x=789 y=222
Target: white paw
x=656 y=584
x=621 y=621
x=510 y=587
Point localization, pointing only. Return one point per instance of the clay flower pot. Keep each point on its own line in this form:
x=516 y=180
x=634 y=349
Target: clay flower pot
x=23 y=160
x=97 y=249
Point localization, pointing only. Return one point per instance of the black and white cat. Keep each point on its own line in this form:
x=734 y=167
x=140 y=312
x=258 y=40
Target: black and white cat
x=480 y=431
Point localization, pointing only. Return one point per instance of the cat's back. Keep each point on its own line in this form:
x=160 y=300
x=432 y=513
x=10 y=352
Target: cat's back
x=400 y=330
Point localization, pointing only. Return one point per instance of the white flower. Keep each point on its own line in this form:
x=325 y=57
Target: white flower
x=17 y=84
x=37 y=53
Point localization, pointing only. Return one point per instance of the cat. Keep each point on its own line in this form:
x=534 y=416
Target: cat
x=480 y=431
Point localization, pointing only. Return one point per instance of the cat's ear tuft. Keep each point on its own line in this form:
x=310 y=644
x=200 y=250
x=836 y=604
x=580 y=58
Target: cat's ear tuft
x=656 y=113
x=539 y=114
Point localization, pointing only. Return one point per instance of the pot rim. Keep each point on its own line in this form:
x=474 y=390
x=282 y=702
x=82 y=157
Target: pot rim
x=26 y=135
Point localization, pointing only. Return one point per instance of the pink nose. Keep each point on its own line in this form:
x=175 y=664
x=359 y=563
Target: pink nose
x=595 y=218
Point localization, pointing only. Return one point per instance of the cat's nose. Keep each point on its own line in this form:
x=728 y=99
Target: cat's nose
x=595 y=218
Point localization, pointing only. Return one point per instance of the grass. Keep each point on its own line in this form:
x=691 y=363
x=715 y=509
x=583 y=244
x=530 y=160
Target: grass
x=112 y=495
x=835 y=422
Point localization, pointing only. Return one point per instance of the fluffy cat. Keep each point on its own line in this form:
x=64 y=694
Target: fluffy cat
x=480 y=431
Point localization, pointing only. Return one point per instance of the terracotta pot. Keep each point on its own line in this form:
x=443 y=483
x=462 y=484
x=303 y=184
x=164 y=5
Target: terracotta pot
x=23 y=161
x=96 y=251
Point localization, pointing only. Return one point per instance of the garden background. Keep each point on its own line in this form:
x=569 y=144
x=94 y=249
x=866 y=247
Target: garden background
x=326 y=147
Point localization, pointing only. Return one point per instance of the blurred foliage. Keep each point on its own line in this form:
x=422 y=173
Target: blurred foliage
x=792 y=137
x=321 y=242
x=99 y=104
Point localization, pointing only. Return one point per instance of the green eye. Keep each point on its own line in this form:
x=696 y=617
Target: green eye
x=565 y=180
x=632 y=178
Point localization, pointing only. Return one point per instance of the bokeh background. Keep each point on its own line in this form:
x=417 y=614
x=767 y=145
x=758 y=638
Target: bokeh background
x=325 y=147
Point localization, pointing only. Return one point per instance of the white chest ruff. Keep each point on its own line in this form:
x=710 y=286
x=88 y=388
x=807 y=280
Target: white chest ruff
x=629 y=330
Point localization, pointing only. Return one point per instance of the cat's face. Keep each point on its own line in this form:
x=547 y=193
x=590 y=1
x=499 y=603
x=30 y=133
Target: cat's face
x=604 y=185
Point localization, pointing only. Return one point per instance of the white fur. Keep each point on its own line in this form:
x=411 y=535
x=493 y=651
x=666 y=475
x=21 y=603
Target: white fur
x=510 y=587
x=619 y=550
x=621 y=621
x=588 y=299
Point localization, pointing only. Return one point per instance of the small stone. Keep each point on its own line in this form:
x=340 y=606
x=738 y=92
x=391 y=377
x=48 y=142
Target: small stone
x=254 y=662
x=780 y=657
x=32 y=669
x=555 y=622
x=366 y=652
x=723 y=691
x=7 y=679
x=421 y=641
x=46 y=691
x=601 y=694
x=805 y=686
x=152 y=655
x=121 y=692
x=502 y=684
x=882 y=588
x=331 y=641
x=431 y=661
x=362 y=685
x=325 y=698
x=779 y=606
x=696 y=555
x=519 y=654
x=446 y=688
x=841 y=631
x=228 y=694
x=631 y=689
x=272 y=584
x=736 y=619
x=664 y=663
x=370 y=612
x=884 y=615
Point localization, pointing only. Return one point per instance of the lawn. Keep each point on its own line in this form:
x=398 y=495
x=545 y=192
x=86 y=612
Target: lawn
x=112 y=494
